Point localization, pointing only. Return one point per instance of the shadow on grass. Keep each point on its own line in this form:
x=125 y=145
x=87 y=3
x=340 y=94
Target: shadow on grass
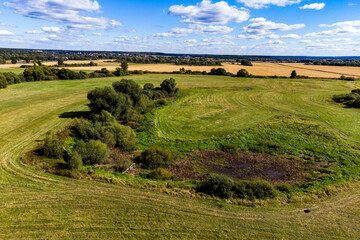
x=76 y=114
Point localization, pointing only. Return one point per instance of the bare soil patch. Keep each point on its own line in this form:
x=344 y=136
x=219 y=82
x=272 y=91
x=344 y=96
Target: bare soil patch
x=241 y=166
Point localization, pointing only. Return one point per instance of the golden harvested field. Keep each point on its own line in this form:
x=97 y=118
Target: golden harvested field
x=259 y=68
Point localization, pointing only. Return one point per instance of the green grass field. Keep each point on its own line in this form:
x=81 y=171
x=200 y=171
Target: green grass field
x=14 y=70
x=35 y=204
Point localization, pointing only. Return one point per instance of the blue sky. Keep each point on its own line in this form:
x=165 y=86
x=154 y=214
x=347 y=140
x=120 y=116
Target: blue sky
x=242 y=27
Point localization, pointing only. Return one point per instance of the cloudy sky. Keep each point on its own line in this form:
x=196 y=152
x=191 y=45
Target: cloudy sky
x=251 y=27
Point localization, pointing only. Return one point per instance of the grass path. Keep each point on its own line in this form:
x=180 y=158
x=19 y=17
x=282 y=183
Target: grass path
x=34 y=204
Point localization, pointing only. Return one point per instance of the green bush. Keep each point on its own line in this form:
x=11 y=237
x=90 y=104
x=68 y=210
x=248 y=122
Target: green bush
x=169 y=86
x=160 y=102
x=3 y=82
x=106 y=129
x=53 y=148
x=93 y=152
x=246 y=63
x=75 y=161
x=254 y=190
x=229 y=148
x=218 y=185
x=130 y=88
x=148 y=86
x=284 y=187
x=118 y=104
x=12 y=78
x=124 y=136
x=156 y=157
x=160 y=174
x=224 y=187
x=243 y=73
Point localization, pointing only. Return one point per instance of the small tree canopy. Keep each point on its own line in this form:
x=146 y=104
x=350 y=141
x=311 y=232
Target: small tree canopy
x=242 y=73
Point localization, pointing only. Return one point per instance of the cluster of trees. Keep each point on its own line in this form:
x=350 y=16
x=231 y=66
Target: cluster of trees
x=92 y=142
x=125 y=99
x=43 y=73
x=351 y=99
x=8 y=78
x=93 y=139
x=246 y=63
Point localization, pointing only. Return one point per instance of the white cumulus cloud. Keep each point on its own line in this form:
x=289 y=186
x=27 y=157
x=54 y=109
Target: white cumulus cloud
x=265 y=3
x=210 y=13
x=6 y=33
x=63 y=11
x=195 y=29
x=51 y=29
x=315 y=6
x=261 y=26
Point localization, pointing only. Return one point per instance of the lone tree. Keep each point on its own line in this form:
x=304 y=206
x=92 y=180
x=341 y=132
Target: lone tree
x=246 y=63
x=124 y=66
x=169 y=86
x=60 y=61
x=242 y=73
x=293 y=74
x=13 y=60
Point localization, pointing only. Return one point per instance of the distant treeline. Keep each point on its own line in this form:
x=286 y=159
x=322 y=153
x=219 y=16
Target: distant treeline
x=174 y=60
x=30 y=55
x=46 y=73
x=337 y=62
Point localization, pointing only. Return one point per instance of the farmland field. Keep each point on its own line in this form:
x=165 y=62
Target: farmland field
x=35 y=204
x=259 y=68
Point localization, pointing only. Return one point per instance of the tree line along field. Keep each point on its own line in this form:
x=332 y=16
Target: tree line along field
x=258 y=68
x=36 y=204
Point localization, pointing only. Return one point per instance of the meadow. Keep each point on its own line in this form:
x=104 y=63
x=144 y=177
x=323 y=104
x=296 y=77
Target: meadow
x=35 y=204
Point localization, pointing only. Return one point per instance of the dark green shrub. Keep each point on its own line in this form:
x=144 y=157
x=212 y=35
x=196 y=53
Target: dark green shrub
x=124 y=136
x=156 y=157
x=254 y=190
x=85 y=130
x=218 y=185
x=283 y=187
x=293 y=74
x=243 y=73
x=345 y=97
x=357 y=91
x=246 y=63
x=218 y=71
x=169 y=86
x=93 y=152
x=106 y=129
x=229 y=148
x=268 y=147
x=134 y=116
x=148 y=86
x=131 y=88
x=75 y=161
x=3 y=82
x=118 y=104
x=12 y=78
x=53 y=147
x=160 y=102
x=160 y=174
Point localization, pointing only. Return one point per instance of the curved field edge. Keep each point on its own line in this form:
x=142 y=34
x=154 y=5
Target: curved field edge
x=39 y=205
